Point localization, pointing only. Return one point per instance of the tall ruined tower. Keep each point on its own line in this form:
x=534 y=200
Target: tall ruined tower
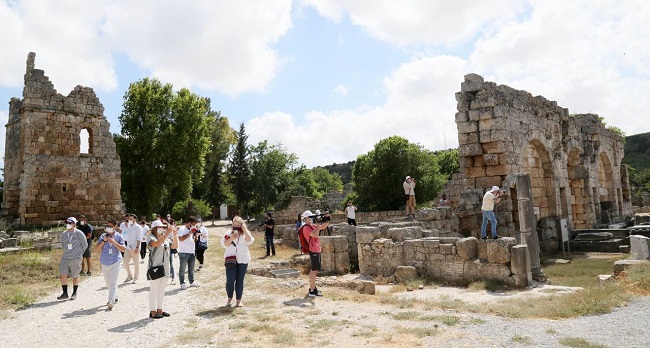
x=60 y=157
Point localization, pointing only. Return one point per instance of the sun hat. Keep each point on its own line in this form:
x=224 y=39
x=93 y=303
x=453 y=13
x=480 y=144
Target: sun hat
x=307 y=213
x=495 y=188
x=156 y=223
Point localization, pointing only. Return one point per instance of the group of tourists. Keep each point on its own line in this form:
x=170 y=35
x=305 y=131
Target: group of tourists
x=121 y=244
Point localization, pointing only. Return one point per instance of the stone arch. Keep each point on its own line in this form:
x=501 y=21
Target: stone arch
x=86 y=141
x=581 y=203
x=538 y=163
x=606 y=190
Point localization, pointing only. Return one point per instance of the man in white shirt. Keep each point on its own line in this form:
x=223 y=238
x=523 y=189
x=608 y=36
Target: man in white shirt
x=350 y=211
x=186 y=247
x=132 y=235
x=489 y=200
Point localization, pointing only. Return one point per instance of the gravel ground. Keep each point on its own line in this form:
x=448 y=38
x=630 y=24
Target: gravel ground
x=283 y=316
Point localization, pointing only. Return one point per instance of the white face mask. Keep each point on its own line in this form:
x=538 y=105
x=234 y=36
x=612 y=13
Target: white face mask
x=69 y=226
x=82 y=223
x=109 y=229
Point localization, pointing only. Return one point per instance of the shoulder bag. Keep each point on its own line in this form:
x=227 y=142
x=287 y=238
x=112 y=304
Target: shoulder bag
x=156 y=272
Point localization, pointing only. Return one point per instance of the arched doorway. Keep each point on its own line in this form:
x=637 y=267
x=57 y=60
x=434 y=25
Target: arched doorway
x=538 y=163
x=606 y=190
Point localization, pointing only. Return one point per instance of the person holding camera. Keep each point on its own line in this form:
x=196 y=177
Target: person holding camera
x=489 y=200
x=109 y=245
x=159 y=247
x=236 y=258
x=350 y=213
x=186 y=250
x=269 y=234
x=201 y=242
x=409 y=194
x=74 y=243
x=311 y=233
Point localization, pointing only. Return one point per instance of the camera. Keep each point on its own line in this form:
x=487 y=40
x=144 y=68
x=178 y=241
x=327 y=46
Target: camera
x=262 y=223
x=325 y=217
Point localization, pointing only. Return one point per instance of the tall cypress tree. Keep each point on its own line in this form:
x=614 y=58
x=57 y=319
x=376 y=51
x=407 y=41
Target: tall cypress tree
x=239 y=172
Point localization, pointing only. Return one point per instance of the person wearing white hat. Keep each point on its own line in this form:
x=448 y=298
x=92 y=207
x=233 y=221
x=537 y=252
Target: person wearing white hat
x=74 y=244
x=311 y=234
x=489 y=200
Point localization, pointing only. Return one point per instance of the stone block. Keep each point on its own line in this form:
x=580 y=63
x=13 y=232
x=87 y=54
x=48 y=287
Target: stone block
x=501 y=169
x=491 y=159
x=342 y=263
x=475 y=172
x=365 y=287
x=467 y=248
x=467 y=127
x=498 y=250
x=482 y=249
x=639 y=247
x=326 y=245
x=494 y=147
x=519 y=259
x=622 y=265
x=473 y=149
x=594 y=236
x=446 y=249
x=488 y=181
x=405 y=274
x=366 y=235
x=462 y=116
x=472 y=83
x=340 y=243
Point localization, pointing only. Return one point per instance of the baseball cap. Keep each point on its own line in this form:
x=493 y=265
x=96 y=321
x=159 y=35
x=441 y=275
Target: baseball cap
x=407 y=177
x=307 y=213
x=156 y=223
x=71 y=220
x=318 y=212
x=495 y=188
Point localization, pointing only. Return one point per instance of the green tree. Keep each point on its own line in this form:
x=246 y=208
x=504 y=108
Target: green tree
x=190 y=207
x=270 y=174
x=449 y=162
x=326 y=181
x=239 y=173
x=156 y=122
x=379 y=174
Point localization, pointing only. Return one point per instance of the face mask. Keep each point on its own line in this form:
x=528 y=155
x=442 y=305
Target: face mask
x=82 y=223
x=109 y=229
x=69 y=226
x=130 y=223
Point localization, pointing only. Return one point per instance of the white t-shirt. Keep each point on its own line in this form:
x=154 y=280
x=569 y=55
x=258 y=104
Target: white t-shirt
x=239 y=248
x=145 y=231
x=409 y=188
x=488 y=201
x=185 y=246
x=132 y=235
x=204 y=234
x=350 y=211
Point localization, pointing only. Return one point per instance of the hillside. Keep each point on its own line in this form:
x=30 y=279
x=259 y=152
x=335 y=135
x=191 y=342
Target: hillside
x=344 y=170
x=637 y=151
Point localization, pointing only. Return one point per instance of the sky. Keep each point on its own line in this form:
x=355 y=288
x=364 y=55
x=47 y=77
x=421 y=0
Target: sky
x=329 y=79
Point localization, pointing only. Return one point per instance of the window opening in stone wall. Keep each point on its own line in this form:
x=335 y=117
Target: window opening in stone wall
x=85 y=141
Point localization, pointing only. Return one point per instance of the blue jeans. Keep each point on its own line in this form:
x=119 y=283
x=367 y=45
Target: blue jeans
x=186 y=260
x=269 y=244
x=235 y=280
x=489 y=215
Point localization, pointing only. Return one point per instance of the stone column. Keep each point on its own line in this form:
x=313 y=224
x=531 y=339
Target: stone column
x=527 y=224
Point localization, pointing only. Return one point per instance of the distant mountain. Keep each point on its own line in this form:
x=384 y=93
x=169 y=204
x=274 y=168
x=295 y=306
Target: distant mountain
x=344 y=170
x=637 y=151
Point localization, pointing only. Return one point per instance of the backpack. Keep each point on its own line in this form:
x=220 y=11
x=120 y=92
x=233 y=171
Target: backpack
x=304 y=243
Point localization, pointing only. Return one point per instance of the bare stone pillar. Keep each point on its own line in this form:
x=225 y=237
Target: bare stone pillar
x=527 y=224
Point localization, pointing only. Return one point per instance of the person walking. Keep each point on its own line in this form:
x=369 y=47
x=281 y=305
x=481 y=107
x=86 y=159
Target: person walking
x=159 y=246
x=186 y=249
x=489 y=200
x=201 y=242
x=311 y=234
x=143 y=240
x=236 y=258
x=109 y=246
x=350 y=212
x=132 y=236
x=269 y=234
x=74 y=243
x=87 y=230
x=409 y=194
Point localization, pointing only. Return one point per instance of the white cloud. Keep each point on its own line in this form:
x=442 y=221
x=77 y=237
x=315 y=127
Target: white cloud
x=341 y=90
x=4 y=118
x=420 y=107
x=410 y=22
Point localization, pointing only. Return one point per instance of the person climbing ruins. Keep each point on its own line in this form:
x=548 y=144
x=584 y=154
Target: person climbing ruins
x=489 y=200
x=409 y=195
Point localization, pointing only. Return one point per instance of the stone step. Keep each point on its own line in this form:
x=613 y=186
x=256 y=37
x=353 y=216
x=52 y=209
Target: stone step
x=607 y=246
x=285 y=273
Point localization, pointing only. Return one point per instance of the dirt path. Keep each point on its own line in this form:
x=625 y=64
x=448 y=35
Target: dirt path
x=278 y=314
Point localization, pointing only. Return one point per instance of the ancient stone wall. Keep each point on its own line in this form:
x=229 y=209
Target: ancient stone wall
x=574 y=161
x=447 y=259
x=47 y=177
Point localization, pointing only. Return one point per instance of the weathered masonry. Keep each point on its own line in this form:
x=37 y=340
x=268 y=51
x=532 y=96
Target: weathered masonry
x=60 y=157
x=574 y=160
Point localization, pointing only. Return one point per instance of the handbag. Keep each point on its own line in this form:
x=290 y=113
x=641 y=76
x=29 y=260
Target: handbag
x=156 y=272
x=201 y=245
x=230 y=261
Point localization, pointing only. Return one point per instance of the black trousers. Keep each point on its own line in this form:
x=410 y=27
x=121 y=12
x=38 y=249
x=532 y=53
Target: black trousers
x=199 y=255
x=270 y=247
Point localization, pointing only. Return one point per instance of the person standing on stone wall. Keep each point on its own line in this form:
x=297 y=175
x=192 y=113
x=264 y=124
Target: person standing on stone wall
x=109 y=245
x=143 y=240
x=74 y=243
x=409 y=195
x=350 y=212
x=87 y=229
x=132 y=235
x=489 y=200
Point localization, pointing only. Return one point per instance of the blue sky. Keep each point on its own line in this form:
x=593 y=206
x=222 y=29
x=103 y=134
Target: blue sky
x=329 y=79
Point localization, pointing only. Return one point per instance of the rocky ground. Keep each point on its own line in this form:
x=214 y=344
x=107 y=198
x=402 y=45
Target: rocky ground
x=277 y=313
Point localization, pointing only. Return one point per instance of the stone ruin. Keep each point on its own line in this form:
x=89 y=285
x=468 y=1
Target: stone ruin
x=48 y=175
x=574 y=162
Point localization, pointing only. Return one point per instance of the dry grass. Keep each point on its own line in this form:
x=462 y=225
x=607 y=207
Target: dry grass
x=576 y=342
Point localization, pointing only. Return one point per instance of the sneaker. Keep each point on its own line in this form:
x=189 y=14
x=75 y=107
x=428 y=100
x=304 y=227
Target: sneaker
x=110 y=306
x=194 y=285
x=173 y=281
x=484 y=238
x=128 y=279
x=73 y=297
x=134 y=281
x=88 y=273
x=116 y=300
x=64 y=296
x=183 y=286
x=496 y=237
x=315 y=293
